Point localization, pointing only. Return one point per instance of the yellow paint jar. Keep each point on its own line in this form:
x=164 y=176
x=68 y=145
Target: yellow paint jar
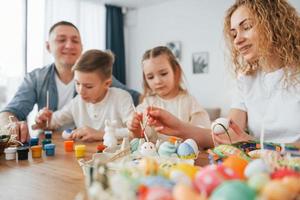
x=36 y=151
x=80 y=151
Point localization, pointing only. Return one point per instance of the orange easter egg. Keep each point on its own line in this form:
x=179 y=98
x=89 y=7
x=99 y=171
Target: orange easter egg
x=237 y=164
x=276 y=190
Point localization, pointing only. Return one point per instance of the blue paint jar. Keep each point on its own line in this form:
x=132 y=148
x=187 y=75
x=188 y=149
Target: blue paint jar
x=45 y=141
x=48 y=134
x=49 y=149
x=23 y=152
x=34 y=141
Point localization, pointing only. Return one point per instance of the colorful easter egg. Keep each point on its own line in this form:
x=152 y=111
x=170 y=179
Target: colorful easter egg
x=280 y=173
x=208 y=178
x=154 y=193
x=149 y=166
x=134 y=144
x=276 y=190
x=255 y=167
x=188 y=149
x=167 y=149
x=152 y=181
x=237 y=164
x=220 y=126
x=258 y=181
x=225 y=150
x=183 y=173
x=148 y=149
x=184 y=192
x=233 y=190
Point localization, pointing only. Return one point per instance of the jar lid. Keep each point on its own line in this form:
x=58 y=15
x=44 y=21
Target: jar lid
x=80 y=147
x=23 y=149
x=48 y=132
x=10 y=150
x=49 y=146
x=36 y=147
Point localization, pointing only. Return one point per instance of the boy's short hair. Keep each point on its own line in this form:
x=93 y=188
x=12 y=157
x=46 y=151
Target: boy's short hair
x=62 y=23
x=96 y=60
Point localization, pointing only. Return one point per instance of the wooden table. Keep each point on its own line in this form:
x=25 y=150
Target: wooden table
x=58 y=177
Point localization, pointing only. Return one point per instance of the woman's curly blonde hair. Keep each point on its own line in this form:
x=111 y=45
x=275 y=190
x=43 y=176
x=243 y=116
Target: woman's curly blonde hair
x=278 y=24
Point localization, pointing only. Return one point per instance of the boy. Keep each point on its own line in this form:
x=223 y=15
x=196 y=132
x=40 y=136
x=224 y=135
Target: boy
x=96 y=101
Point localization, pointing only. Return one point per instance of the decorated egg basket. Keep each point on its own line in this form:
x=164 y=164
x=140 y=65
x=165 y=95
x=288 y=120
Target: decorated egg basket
x=239 y=171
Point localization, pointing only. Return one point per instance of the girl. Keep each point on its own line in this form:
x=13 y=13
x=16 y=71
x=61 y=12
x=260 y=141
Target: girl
x=162 y=82
x=96 y=101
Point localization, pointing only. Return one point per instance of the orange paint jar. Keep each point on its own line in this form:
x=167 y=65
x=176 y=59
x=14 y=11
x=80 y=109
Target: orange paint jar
x=68 y=145
x=36 y=151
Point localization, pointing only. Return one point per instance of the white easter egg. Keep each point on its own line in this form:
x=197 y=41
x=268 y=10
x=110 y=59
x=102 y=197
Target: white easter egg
x=256 y=167
x=148 y=149
x=219 y=124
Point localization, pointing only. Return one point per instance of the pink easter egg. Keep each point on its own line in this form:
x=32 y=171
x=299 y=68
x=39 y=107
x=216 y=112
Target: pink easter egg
x=208 y=178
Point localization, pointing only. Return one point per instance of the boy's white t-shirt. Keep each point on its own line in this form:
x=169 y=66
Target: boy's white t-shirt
x=65 y=92
x=116 y=105
x=269 y=102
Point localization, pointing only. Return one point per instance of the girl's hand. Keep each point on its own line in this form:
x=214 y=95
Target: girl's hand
x=87 y=134
x=135 y=125
x=42 y=117
x=164 y=122
x=236 y=134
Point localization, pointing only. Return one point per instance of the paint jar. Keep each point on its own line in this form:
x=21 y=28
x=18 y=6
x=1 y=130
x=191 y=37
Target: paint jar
x=66 y=134
x=10 y=153
x=48 y=134
x=68 y=145
x=45 y=141
x=50 y=149
x=23 y=152
x=80 y=151
x=36 y=151
x=34 y=141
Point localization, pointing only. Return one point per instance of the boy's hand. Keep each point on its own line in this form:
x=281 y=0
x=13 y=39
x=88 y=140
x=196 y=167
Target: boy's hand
x=135 y=125
x=87 y=134
x=43 y=116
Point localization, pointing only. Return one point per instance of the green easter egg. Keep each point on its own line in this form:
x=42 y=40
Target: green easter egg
x=257 y=181
x=233 y=190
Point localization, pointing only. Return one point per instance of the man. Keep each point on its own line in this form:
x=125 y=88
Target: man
x=55 y=79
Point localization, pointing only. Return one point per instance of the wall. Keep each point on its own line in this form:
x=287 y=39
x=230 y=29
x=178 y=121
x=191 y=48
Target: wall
x=198 y=26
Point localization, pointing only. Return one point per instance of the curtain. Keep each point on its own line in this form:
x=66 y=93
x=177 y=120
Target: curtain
x=115 y=40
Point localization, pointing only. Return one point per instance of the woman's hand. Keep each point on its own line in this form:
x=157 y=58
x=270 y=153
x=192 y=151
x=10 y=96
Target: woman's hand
x=164 y=122
x=235 y=134
x=134 y=125
x=87 y=134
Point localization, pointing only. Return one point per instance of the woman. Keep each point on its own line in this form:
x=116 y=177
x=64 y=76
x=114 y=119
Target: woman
x=263 y=37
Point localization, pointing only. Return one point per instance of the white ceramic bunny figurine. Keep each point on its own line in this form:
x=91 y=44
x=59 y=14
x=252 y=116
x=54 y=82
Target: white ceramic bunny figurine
x=109 y=137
